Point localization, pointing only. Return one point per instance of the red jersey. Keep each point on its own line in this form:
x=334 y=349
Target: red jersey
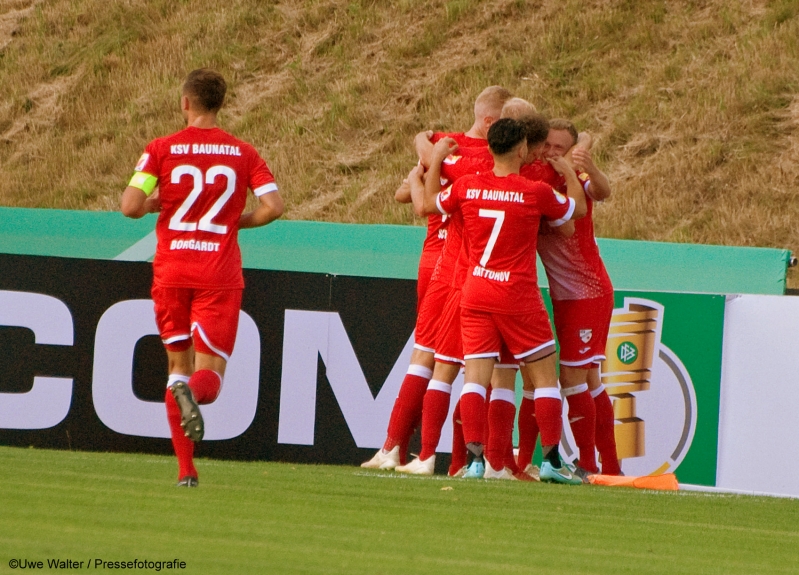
x=501 y=216
x=436 y=225
x=203 y=176
x=452 y=169
x=574 y=267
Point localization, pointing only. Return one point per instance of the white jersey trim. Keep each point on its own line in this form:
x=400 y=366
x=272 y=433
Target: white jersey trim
x=541 y=347
x=438 y=205
x=204 y=337
x=440 y=357
x=423 y=348
x=566 y=218
x=265 y=189
x=175 y=338
x=595 y=359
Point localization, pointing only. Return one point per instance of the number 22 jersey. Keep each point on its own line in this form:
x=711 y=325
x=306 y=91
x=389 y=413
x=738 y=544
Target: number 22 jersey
x=203 y=176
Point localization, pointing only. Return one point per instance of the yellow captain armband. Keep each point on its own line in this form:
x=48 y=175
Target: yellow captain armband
x=144 y=181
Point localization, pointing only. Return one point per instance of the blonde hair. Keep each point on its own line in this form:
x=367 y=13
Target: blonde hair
x=564 y=125
x=517 y=108
x=490 y=102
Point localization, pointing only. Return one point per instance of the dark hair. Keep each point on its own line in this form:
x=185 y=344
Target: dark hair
x=537 y=128
x=564 y=125
x=504 y=135
x=206 y=88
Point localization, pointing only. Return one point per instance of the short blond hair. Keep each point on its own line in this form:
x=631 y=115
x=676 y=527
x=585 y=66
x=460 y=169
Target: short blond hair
x=517 y=108
x=490 y=102
x=561 y=124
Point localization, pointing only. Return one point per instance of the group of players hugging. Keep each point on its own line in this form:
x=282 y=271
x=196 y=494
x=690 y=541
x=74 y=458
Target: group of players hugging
x=493 y=196
x=514 y=184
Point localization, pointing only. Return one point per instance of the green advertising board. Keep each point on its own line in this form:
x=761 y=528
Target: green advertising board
x=663 y=374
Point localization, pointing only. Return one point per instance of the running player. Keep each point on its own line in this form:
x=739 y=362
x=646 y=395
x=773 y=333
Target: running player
x=501 y=301
x=407 y=411
x=201 y=175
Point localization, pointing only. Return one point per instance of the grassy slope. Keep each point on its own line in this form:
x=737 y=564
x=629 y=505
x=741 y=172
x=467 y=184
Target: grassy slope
x=280 y=518
x=694 y=102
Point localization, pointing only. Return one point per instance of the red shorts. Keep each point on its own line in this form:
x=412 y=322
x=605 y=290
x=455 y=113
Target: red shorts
x=429 y=315
x=524 y=334
x=422 y=282
x=449 y=339
x=582 y=326
x=210 y=316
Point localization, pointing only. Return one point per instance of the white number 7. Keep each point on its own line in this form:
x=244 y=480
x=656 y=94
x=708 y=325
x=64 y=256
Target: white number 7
x=499 y=217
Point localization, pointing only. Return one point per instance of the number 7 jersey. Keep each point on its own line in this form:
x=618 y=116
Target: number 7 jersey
x=203 y=176
x=501 y=216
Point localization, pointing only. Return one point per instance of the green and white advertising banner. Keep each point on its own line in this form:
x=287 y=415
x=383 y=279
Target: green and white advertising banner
x=663 y=373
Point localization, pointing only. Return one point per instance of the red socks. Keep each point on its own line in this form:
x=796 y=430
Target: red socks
x=548 y=410
x=605 y=432
x=582 y=419
x=434 y=415
x=501 y=413
x=473 y=413
x=183 y=446
x=407 y=408
x=459 y=452
x=528 y=430
x=205 y=386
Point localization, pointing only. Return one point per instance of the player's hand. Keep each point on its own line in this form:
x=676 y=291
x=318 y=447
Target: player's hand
x=560 y=164
x=153 y=203
x=415 y=175
x=444 y=147
x=582 y=159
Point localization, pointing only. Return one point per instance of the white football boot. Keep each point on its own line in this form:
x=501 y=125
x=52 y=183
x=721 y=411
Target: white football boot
x=383 y=459
x=418 y=467
x=491 y=473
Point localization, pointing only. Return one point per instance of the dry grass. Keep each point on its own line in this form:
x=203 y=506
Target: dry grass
x=695 y=103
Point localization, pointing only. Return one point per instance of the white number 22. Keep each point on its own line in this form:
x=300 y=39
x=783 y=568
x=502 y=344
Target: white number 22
x=205 y=224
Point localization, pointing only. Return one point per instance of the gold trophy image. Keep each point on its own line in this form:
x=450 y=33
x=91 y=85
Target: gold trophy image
x=633 y=340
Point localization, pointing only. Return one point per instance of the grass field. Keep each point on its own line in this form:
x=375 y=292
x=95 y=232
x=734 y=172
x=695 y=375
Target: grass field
x=284 y=518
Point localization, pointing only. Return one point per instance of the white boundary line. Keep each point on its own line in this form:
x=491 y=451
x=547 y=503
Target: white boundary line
x=725 y=490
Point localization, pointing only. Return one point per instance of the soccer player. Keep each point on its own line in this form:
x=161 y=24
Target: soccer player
x=582 y=301
x=202 y=175
x=407 y=411
x=501 y=301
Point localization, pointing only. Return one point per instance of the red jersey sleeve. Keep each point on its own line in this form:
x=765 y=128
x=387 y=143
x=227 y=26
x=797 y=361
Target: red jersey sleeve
x=150 y=161
x=554 y=206
x=261 y=179
x=447 y=200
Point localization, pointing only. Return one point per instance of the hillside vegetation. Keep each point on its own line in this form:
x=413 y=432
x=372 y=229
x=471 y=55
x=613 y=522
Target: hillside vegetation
x=694 y=103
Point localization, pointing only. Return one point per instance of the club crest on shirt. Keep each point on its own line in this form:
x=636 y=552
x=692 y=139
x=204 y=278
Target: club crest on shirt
x=558 y=196
x=450 y=160
x=586 y=335
x=445 y=193
x=583 y=176
x=141 y=163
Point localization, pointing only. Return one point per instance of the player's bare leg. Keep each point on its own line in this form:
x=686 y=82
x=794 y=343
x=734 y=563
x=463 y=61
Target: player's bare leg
x=548 y=409
x=582 y=416
x=605 y=424
x=194 y=379
x=405 y=413
x=434 y=414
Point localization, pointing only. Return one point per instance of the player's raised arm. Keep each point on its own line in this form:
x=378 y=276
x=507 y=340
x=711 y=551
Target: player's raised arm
x=424 y=199
x=573 y=187
x=424 y=147
x=598 y=185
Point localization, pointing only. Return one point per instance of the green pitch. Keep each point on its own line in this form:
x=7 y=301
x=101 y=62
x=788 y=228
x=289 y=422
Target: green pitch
x=283 y=518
